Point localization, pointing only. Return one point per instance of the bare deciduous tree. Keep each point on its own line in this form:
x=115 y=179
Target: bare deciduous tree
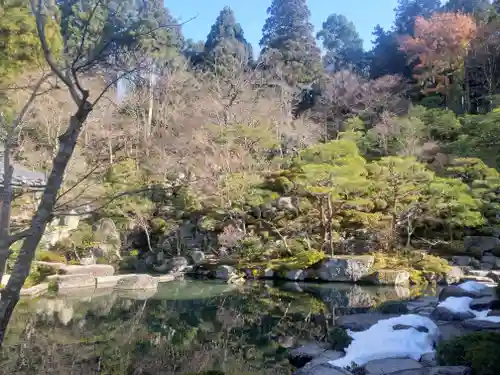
x=70 y=74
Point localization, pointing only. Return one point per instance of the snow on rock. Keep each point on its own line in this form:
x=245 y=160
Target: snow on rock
x=472 y=286
x=457 y=304
x=397 y=343
x=483 y=315
x=461 y=305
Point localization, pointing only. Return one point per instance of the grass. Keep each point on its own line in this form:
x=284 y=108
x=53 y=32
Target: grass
x=49 y=256
x=415 y=262
x=302 y=260
x=38 y=274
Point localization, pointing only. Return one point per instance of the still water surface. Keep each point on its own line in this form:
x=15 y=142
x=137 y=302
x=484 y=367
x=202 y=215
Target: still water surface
x=185 y=327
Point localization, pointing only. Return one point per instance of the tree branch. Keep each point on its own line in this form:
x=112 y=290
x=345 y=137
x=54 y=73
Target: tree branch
x=37 y=11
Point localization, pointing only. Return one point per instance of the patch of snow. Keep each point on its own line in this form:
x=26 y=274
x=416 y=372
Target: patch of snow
x=457 y=304
x=462 y=305
x=472 y=286
x=483 y=315
x=404 y=343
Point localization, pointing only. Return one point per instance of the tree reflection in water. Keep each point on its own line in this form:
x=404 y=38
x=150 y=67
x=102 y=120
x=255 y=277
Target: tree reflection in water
x=187 y=327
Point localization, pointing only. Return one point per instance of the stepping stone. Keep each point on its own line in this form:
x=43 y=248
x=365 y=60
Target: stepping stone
x=298 y=357
x=322 y=369
x=482 y=303
x=449 y=370
x=325 y=357
x=391 y=365
x=478 y=324
x=429 y=359
x=361 y=322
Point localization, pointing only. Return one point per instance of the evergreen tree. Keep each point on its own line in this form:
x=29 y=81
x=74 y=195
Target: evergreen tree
x=110 y=26
x=408 y=10
x=19 y=44
x=344 y=47
x=287 y=42
x=226 y=43
x=467 y=6
x=194 y=52
x=385 y=57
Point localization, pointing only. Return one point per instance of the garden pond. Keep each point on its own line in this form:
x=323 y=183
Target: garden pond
x=185 y=327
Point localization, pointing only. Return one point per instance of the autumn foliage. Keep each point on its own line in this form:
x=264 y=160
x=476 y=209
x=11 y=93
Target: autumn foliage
x=438 y=47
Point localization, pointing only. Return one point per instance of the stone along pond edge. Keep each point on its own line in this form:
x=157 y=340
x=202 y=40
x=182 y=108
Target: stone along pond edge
x=424 y=336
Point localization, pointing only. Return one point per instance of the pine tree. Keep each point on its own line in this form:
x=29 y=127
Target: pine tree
x=287 y=42
x=226 y=43
x=343 y=45
x=19 y=43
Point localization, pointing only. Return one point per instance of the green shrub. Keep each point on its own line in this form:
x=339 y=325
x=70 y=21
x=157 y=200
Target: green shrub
x=128 y=263
x=339 y=338
x=38 y=274
x=49 y=256
x=477 y=350
x=159 y=225
x=53 y=286
x=393 y=307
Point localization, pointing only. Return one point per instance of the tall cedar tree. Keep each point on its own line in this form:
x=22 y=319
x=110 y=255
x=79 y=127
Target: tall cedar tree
x=407 y=12
x=385 y=58
x=226 y=43
x=343 y=45
x=467 y=6
x=288 y=43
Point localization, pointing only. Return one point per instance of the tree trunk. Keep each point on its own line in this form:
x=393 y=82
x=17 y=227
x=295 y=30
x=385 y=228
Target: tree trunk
x=21 y=270
x=6 y=204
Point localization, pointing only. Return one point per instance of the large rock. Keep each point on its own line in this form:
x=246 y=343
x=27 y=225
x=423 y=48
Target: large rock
x=345 y=268
x=178 y=264
x=391 y=365
x=462 y=260
x=322 y=369
x=444 y=314
x=449 y=370
x=96 y=270
x=361 y=322
x=478 y=245
x=491 y=259
x=452 y=276
x=198 y=256
x=325 y=358
x=429 y=359
x=455 y=291
x=107 y=239
x=137 y=282
x=389 y=277
x=224 y=272
x=298 y=357
x=482 y=303
x=65 y=282
x=105 y=282
x=479 y=325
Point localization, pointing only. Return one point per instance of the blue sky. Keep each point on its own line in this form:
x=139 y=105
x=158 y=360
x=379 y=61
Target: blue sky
x=251 y=14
